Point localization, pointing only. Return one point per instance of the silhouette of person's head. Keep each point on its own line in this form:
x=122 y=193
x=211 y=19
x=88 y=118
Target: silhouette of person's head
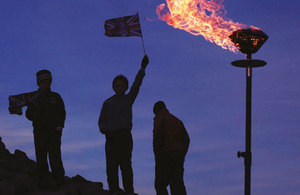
x=120 y=84
x=44 y=79
x=159 y=106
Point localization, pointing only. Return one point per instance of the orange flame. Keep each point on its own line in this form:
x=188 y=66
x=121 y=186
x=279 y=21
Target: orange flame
x=201 y=17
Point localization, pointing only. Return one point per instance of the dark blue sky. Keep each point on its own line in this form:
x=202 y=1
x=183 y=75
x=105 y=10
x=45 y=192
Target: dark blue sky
x=193 y=76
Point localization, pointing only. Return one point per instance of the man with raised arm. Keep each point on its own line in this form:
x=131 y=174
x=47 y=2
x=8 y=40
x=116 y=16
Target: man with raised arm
x=115 y=122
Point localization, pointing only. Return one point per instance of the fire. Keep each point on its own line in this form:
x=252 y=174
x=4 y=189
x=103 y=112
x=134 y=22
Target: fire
x=201 y=17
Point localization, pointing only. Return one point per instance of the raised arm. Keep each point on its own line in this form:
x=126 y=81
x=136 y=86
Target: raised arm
x=134 y=90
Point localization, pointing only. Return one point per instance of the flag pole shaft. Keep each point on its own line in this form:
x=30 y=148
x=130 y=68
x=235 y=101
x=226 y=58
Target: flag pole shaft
x=143 y=45
x=142 y=39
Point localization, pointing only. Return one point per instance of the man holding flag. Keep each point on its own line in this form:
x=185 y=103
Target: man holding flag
x=115 y=120
x=46 y=110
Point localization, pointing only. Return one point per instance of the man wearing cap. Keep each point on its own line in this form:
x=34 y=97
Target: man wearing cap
x=47 y=114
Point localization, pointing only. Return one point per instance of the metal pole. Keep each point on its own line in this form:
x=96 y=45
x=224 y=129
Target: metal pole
x=248 y=154
x=248 y=41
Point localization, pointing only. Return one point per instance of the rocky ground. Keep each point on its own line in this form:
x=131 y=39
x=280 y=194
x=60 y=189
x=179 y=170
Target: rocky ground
x=18 y=175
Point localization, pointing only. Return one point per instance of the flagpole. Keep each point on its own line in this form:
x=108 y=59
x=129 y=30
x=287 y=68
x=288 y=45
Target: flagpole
x=142 y=37
x=143 y=45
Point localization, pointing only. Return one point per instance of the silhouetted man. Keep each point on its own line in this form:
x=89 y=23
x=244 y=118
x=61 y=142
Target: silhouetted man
x=115 y=122
x=47 y=114
x=170 y=145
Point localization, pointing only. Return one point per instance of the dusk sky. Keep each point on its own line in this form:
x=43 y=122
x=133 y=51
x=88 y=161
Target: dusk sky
x=193 y=76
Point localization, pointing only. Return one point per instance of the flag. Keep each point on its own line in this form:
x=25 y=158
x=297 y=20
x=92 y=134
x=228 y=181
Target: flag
x=123 y=27
x=16 y=102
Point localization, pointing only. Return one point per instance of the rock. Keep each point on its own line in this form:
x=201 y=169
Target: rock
x=88 y=188
x=79 y=179
x=2 y=145
x=4 y=153
x=5 y=174
x=18 y=175
x=23 y=183
x=6 y=188
x=20 y=155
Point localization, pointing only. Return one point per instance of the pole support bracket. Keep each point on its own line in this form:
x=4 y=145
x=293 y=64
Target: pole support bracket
x=241 y=154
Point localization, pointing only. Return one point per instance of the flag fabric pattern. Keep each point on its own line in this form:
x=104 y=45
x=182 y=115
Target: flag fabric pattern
x=16 y=102
x=123 y=26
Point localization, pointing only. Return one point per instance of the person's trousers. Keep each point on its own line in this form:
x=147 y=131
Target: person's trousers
x=48 y=143
x=169 y=171
x=118 y=149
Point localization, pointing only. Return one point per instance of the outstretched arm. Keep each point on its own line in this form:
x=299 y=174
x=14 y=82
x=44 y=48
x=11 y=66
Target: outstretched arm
x=145 y=62
x=134 y=90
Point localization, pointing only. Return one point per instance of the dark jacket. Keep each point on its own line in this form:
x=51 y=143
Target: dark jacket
x=116 y=112
x=169 y=134
x=47 y=112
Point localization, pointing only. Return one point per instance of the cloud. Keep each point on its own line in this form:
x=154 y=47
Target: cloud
x=145 y=190
x=16 y=133
x=141 y=111
x=75 y=166
x=21 y=139
x=16 y=138
x=77 y=147
x=142 y=134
